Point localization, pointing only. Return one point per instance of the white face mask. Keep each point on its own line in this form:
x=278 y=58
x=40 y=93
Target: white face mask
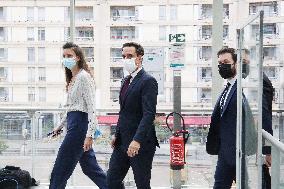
x=129 y=65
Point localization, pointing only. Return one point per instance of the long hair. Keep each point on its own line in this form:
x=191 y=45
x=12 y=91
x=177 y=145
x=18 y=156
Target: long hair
x=81 y=63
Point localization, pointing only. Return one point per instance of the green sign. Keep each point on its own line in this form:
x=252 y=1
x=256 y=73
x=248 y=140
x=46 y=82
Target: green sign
x=177 y=38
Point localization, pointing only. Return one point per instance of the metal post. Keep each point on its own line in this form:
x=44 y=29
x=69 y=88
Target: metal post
x=260 y=90
x=177 y=121
x=32 y=115
x=72 y=20
x=217 y=44
x=239 y=153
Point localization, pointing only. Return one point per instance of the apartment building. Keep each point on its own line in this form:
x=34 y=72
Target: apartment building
x=33 y=32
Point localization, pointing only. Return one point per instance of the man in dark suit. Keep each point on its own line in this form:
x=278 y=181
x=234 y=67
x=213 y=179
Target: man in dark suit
x=223 y=121
x=221 y=139
x=135 y=139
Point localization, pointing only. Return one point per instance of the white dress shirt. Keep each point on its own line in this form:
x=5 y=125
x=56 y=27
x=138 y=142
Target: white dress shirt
x=81 y=97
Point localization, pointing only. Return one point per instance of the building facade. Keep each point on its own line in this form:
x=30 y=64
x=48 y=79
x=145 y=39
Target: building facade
x=32 y=34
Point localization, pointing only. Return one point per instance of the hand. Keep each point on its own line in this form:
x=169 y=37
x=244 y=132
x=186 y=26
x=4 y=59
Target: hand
x=88 y=143
x=267 y=160
x=112 y=143
x=133 y=148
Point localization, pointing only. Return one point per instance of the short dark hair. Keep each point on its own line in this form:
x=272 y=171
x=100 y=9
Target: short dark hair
x=139 y=49
x=230 y=51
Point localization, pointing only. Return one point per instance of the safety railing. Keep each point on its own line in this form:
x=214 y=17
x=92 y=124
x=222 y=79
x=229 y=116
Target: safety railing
x=277 y=154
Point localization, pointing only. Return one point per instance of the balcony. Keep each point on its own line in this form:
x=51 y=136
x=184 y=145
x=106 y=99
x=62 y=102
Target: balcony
x=122 y=33
x=270 y=8
x=206 y=12
x=123 y=14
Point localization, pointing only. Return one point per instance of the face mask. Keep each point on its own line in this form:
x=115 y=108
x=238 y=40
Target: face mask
x=226 y=71
x=69 y=63
x=245 y=70
x=129 y=65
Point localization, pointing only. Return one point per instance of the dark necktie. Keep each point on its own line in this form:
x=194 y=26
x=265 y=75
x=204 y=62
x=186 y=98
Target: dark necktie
x=223 y=97
x=125 y=86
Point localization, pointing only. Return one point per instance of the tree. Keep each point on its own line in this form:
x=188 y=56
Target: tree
x=162 y=132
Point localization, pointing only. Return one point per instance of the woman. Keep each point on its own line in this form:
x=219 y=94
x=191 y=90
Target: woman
x=81 y=123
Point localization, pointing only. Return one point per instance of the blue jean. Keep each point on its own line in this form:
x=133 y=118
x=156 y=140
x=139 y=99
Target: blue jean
x=71 y=152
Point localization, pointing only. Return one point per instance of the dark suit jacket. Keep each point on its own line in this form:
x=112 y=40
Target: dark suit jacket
x=267 y=97
x=137 y=113
x=223 y=124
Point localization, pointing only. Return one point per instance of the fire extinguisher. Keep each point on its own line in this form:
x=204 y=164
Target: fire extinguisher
x=177 y=144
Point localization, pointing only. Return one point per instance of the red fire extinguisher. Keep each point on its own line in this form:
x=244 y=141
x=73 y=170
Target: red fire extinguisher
x=177 y=144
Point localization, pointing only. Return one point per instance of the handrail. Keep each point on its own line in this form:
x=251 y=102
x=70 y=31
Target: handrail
x=274 y=141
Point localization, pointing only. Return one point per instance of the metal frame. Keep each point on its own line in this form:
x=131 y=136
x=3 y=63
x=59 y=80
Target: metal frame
x=239 y=153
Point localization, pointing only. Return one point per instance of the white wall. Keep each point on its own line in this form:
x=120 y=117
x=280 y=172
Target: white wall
x=20 y=94
x=145 y=10
x=54 y=14
x=19 y=55
x=15 y=31
x=148 y=33
x=18 y=13
x=54 y=34
x=185 y=12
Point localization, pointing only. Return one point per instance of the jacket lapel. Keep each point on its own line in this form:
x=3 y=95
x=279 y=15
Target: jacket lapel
x=234 y=87
x=132 y=84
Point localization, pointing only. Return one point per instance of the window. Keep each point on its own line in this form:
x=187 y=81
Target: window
x=41 y=74
x=30 y=34
x=271 y=72
x=31 y=74
x=162 y=33
x=173 y=12
x=206 y=32
x=41 y=55
x=115 y=54
x=126 y=13
x=126 y=33
x=42 y=94
x=31 y=54
x=84 y=13
x=269 y=29
x=1 y=13
x=116 y=73
x=31 y=94
x=269 y=53
x=2 y=34
x=89 y=53
x=41 y=13
x=162 y=12
x=85 y=33
x=225 y=32
x=114 y=95
x=3 y=54
x=206 y=11
x=4 y=97
x=269 y=8
x=41 y=34
x=206 y=74
x=205 y=95
x=206 y=53
x=226 y=11
x=30 y=13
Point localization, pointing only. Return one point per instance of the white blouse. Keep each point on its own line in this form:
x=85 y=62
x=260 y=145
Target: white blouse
x=81 y=97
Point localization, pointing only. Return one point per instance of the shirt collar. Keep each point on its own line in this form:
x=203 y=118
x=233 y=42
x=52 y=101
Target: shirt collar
x=135 y=73
x=232 y=80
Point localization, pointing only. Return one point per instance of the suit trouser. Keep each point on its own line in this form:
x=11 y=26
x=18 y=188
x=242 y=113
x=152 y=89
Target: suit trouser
x=71 y=152
x=120 y=163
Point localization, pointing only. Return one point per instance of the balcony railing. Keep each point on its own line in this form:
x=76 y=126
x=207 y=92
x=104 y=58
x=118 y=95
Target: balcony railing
x=124 y=18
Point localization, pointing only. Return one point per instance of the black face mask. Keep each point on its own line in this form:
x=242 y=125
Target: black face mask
x=245 y=70
x=226 y=71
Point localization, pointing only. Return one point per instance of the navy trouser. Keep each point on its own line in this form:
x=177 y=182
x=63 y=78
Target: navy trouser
x=71 y=152
x=141 y=165
x=224 y=174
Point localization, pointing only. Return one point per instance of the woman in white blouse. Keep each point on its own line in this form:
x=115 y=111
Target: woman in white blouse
x=80 y=119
